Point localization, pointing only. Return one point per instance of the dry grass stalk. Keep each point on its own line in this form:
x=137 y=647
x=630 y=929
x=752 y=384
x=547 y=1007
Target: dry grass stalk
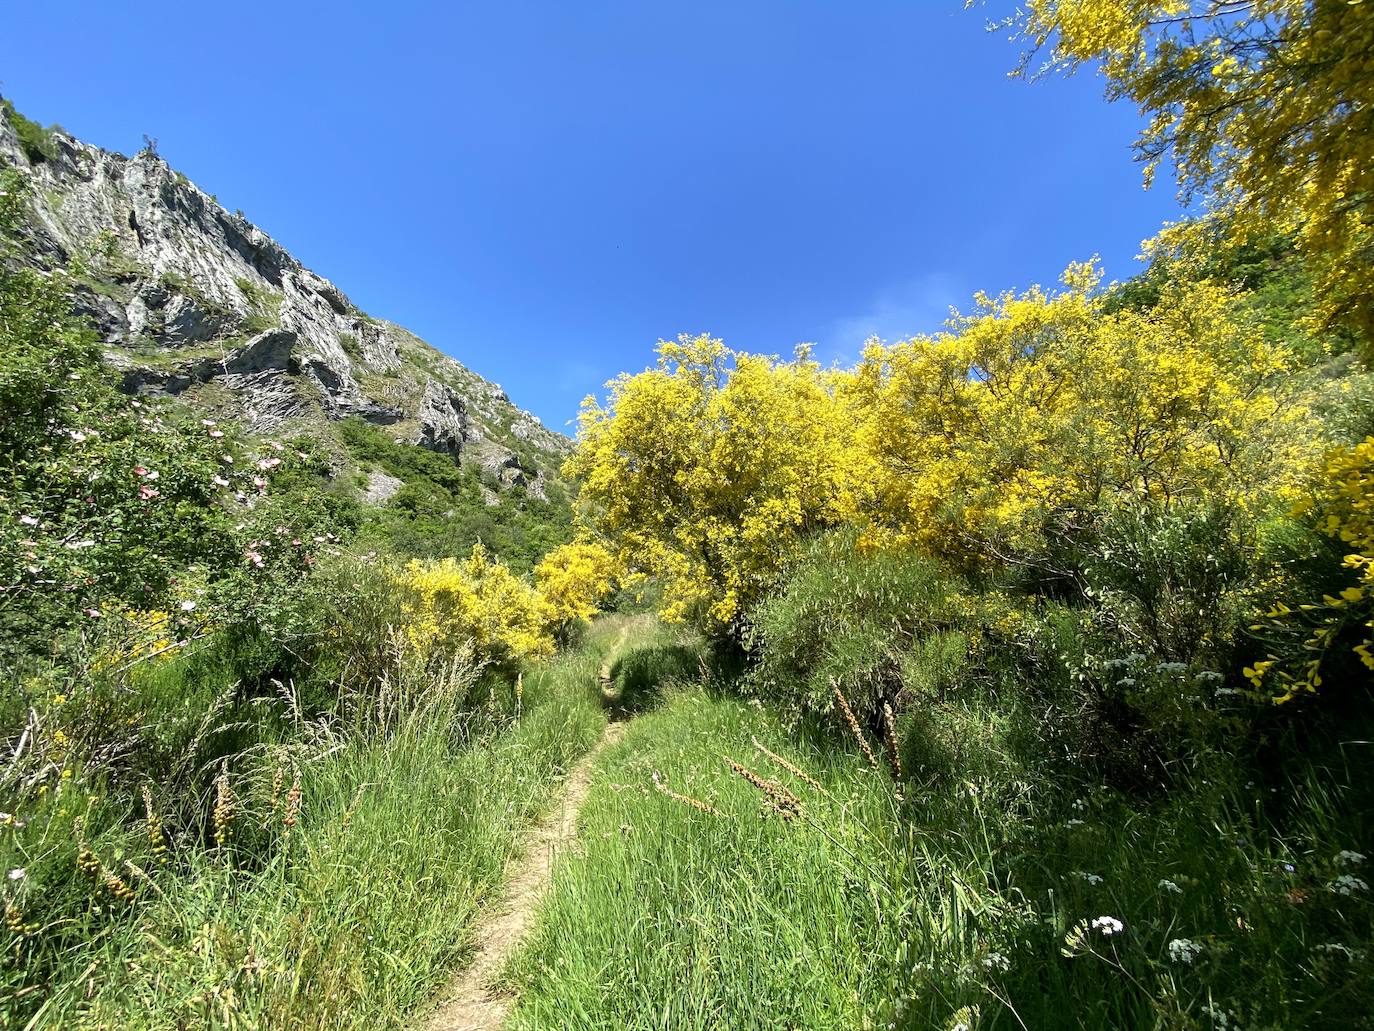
x=143 y=875
x=293 y=805
x=799 y=774
x=782 y=801
x=890 y=742
x=695 y=803
x=853 y=723
x=223 y=814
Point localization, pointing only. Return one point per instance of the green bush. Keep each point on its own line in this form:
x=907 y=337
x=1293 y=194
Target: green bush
x=847 y=618
x=37 y=142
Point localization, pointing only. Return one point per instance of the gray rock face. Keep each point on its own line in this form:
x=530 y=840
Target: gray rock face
x=381 y=487
x=443 y=419
x=186 y=294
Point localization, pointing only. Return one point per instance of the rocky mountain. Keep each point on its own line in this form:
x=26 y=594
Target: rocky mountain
x=195 y=301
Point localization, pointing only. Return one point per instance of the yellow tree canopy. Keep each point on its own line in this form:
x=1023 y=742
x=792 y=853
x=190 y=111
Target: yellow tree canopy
x=1043 y=406
x=1267 y=106
x=707 y=469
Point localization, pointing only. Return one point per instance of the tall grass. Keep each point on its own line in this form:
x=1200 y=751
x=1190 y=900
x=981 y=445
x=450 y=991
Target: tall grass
x=332 y=877
x=970 y=901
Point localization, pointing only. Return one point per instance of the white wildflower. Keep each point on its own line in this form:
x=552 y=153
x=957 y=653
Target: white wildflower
x=996 y=961
x=1184 y=950
x=1170 y=886
x=1345 y=884
x=1091 y=878
x=17 y=874
x=1108 y=925
x=1337 y=949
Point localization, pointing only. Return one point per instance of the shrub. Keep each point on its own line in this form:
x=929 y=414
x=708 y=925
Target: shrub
x=848 y=617
x=479 y=604
x=574 y=579
x=1305 y=637
x=36 y=142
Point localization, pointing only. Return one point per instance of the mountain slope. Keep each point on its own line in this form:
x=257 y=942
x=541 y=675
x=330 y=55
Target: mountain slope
x=194 y=301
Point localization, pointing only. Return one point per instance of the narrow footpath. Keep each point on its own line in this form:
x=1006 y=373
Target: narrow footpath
x=470 y=1003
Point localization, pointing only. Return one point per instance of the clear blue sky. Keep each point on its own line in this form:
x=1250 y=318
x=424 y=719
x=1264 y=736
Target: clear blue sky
x=543 y=190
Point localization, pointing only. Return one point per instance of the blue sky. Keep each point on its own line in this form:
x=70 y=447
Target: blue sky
x=543 y=190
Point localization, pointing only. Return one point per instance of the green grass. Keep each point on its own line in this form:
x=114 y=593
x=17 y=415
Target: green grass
x=351 y=918
x=675 y=918
x=952 y=906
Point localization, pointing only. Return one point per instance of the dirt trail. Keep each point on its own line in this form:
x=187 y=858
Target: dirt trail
x=470 y=1004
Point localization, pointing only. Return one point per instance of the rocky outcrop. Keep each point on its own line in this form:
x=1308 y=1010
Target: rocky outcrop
x=443 y=419
x=186 y=295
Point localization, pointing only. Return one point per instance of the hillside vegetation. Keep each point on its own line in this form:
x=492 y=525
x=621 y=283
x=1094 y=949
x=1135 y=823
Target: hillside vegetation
x=1016 y=677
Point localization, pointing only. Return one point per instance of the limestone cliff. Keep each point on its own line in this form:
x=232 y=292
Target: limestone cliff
x=198 y=302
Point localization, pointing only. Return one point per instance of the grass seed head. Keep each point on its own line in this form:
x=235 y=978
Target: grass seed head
x=894 y=758
x=223 y=814
x=293 y=804
x=695 y=803
x=152 y=822
x=853 y=724
x=798 y=773
x=779 y=799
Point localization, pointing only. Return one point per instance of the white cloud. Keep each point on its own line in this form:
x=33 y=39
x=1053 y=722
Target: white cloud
x=919 y=305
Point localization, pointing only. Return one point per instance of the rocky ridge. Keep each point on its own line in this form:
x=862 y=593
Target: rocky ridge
x=195 y=301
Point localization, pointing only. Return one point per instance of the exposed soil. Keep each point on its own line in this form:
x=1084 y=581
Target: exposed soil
x=471 y=1003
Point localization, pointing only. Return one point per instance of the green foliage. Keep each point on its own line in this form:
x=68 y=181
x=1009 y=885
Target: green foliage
x=443 y=509
x=847 y=618
x=36 y=141
x=111 y=504
x=337 y=884
x=264 y=306
x=966 y=893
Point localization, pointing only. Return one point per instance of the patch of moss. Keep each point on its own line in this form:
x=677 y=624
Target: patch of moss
x=264 y=305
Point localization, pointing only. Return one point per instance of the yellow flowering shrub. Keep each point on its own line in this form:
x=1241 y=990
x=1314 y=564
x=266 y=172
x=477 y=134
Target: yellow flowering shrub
x=450 y=604
x=707 y=470
x=1044 y=406
x=1342 y=507
x=574 y=578
x=1037 y=411
x=137 y=636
